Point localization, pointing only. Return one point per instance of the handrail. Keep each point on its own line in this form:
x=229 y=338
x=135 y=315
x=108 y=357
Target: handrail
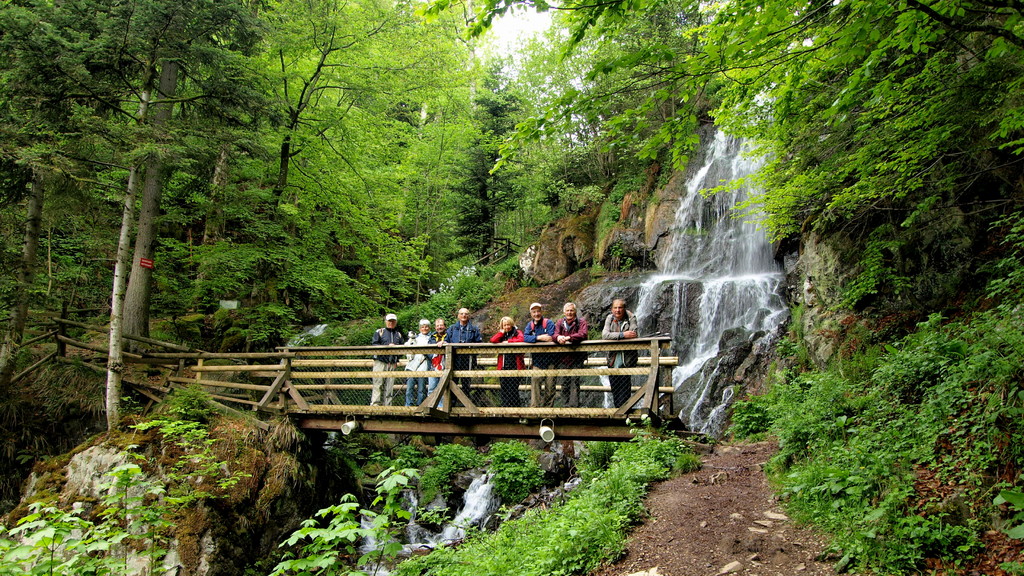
x=311 y=380
x=584 y=346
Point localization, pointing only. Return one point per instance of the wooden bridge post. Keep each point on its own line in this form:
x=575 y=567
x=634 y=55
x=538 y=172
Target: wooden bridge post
x=441 y=394
x=665 y=404
x=650 y=404
x=275 y=388
x=649 y=391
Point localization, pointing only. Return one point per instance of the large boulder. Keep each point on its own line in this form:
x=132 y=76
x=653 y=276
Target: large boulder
x=216 y=535
x=564 y=247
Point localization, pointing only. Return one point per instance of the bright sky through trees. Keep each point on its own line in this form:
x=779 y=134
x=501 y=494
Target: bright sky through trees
x=515 y=28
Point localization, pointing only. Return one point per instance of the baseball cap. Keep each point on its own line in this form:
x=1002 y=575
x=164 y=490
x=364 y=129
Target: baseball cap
x=535 y=305
x=390 y=317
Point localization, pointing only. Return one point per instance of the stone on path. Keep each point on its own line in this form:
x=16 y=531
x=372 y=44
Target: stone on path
x=651 y=572
x=775 y=516
x=734 y=566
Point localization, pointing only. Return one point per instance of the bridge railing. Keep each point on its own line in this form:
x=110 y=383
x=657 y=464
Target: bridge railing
x=464 y=380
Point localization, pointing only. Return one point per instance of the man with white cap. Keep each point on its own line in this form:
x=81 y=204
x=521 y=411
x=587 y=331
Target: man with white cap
x=540 y=329
x=389 y=335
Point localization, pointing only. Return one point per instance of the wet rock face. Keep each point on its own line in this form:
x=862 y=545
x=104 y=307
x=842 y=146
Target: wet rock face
x=595 y=301
x=627 y=250
x=674 y=309
x=718 y=377
x=939 y=254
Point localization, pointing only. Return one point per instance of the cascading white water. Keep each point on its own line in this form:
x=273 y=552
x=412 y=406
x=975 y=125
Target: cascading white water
x=478 y=504
x=307 y=334
x=719 y=274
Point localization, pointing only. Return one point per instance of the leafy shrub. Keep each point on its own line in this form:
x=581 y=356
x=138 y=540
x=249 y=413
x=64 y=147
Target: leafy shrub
x=324 y=549
x=946 y=400
x=515 y=469
x=749 y=418
x=596 y=457
x=56 y=542
x=1015 y=499
x=878 y=272
x=449 y=460
x=191 y=403
x=133 y=514
x=919 y=364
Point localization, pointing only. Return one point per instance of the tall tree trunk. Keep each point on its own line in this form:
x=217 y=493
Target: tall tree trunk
x=212 y=229
x=283 y=167
x=115 y=358
x=25 y=276
x=137 y=299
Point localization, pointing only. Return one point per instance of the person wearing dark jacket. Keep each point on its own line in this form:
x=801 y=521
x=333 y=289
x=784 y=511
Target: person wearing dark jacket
x=540 y=329
x=508 y=332
x=389 y=335
x=569 y=330
x=621 y=324
x=464 y=332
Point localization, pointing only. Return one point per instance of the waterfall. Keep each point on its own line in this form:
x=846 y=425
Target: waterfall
x=716 y=278
x=479 y=503
x=306 y=334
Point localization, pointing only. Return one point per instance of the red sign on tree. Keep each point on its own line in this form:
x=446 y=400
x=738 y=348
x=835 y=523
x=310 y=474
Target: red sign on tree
x=146 y=263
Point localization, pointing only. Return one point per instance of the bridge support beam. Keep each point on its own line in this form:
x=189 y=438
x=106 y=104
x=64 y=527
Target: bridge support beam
x=589 y=430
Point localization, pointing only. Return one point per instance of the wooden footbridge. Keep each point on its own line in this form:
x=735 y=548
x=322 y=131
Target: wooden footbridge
x=329 y=388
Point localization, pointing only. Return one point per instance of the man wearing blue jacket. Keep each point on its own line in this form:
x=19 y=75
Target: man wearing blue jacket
x=464 y=332
x=540 y=329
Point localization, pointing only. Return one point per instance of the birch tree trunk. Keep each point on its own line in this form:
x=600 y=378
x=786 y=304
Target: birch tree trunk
x=25 y=276
x=115 y=359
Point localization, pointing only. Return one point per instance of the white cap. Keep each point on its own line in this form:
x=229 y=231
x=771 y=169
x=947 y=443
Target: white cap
x=424 y=322
x=390 y=317
x=535 y=305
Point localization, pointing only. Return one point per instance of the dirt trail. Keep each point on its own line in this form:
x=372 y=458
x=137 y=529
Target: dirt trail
x=722 y=519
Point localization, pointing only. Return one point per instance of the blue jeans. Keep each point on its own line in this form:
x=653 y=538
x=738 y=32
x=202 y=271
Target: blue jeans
x=415 y=391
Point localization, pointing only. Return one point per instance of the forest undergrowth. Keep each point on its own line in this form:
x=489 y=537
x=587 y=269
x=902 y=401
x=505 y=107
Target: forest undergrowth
x=909 y=453
x=135 y=521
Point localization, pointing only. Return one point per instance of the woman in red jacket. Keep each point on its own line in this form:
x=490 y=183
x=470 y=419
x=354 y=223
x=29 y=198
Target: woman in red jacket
x=509 y=361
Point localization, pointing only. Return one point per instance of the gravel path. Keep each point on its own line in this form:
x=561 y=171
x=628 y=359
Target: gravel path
x=722 y=519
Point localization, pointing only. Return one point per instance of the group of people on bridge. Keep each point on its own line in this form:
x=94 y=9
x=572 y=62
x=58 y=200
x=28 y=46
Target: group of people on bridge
x=570 y=329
